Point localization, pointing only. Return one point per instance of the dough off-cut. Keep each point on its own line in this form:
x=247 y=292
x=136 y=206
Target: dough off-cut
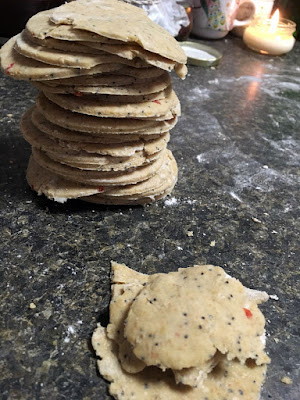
x=196 y=333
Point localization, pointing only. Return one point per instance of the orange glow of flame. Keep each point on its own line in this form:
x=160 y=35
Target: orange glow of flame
x=274 y=21
x=253 y=88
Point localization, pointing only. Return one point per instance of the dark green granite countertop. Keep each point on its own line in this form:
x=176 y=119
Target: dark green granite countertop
x=237 y=147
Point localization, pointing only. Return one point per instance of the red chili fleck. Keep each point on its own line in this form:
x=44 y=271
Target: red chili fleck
x=32 y=187
x=78 y=93
x=156 y=101
x=248 y=313
x=100 y=188
x=9 y=67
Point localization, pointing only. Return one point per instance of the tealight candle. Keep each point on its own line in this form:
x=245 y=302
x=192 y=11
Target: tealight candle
x=270 y=36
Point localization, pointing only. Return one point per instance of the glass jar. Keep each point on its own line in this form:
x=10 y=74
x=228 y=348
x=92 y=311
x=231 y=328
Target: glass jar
x=262 y=37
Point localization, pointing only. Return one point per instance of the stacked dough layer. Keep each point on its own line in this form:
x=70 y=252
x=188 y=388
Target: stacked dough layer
x=195 y=334
x=100 y=125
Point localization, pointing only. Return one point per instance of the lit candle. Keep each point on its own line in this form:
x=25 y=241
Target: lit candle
x=270 y=36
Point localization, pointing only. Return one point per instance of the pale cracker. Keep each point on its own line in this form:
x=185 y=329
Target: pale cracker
x=99 y=158
x=122 y=150
x=67 y=46
x=57 y=188
x=59 y=57
x=146 y=197
x=40 y=26
x=111 y=178
x=100 y=126
x=121 y=21
x=191 y=306
x=131 y=51
x=82 y=139
x=147 y=86
x=38 y=138
x=20 y=67
x=141 y=73
x=164 y=179
x=229 y=380
x=103 y=163
x=165 y=108
x=97 y=80
x=93 y=94
x=140 y=200
x=120 y=72
x=47 y=143
x=53 y=186
x=62 y=58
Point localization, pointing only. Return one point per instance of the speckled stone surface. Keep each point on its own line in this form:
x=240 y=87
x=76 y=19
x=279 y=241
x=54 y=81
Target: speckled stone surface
x=237 y=147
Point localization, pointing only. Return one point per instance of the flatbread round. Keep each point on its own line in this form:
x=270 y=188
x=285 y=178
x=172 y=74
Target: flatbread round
x=40 y=26
x=83 y=139
x=111 y=178
x=129 y=24
x=100 y=126
x=20 y=67
x=59 y=58
x=161 y=182
x=165 y=107
x=53 y=186
x=110 y=87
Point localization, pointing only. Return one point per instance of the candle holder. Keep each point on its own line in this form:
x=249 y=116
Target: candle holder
x=262 y=37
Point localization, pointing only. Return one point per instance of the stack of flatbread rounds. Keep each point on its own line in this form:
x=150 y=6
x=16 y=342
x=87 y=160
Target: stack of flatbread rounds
x=100 y=125
x=193 y=334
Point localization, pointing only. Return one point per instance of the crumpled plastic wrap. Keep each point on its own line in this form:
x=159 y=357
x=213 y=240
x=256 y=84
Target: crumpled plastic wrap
x=166 y=13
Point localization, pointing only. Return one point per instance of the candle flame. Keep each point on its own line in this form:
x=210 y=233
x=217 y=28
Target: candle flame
x=274 y=21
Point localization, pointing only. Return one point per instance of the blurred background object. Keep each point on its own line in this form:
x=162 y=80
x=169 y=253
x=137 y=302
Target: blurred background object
x=173 y=15
x=15 y=13
x=170 y=14
x=214 y=19
x=290 y=9
x=263 y=9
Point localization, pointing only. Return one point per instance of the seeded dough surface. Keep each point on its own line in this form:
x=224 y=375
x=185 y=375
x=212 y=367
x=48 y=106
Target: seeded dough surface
x=177 y=311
